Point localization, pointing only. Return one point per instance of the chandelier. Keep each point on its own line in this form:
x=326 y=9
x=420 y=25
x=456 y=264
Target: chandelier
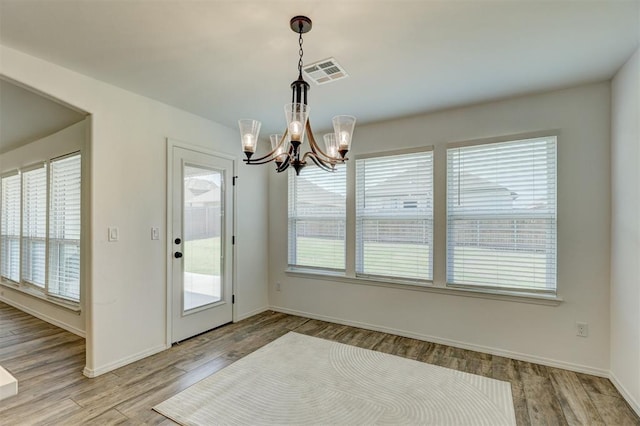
x=286 y=149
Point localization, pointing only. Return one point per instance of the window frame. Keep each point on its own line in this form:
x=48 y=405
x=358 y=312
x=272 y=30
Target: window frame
x=9 y=174
x=292 y=243
x=438 y=285
x=62 y=241
x=23 y=285
x=23 y=281
x=513 y=290
x=386 y=154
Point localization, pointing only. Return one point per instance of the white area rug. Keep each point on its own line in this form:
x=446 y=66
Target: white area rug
x=298 y=379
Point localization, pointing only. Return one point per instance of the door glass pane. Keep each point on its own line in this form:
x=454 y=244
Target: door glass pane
x=202 y=222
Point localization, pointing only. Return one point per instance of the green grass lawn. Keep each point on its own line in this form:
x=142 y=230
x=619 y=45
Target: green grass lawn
x=387 y=259
x=202 y=256
x=513 y=270
x=379 y=258
x=399 y=260
x=320 y=253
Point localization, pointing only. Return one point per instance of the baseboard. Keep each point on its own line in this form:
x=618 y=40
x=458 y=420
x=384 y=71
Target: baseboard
x=252 y=313
x=136 y=357
x=462 y=345
x=625 y=393
x=95 y=372
x=44 y=317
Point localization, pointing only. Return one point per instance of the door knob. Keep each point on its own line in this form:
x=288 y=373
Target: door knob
x=177 y=255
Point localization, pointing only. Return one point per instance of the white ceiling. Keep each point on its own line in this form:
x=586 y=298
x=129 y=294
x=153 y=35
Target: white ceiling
x=230 y=59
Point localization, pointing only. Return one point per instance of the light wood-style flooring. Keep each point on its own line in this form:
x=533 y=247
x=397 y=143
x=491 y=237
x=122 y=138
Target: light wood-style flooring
x=48 y=363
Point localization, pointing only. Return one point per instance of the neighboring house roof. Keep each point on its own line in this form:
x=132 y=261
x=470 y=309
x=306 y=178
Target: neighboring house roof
x=201 y=191
x=474 y=183
x=470 y=183
x=315 y=195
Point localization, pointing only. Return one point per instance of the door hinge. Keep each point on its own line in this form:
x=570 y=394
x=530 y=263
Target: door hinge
x=233 y=240
x=234 y=180
x=233 y=299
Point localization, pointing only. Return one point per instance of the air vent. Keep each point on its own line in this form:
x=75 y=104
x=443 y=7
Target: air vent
x=325 y=71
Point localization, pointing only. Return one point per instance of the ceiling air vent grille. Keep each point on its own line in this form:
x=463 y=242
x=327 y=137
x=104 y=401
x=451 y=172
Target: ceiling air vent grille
x=325 y=71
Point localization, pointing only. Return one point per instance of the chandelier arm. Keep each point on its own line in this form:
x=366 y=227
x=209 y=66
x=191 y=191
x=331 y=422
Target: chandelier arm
x=323 y=163
x=259 y=161
x=266 y=159
x=316 y=148
x=318 y=162
x=284 y=166
x=273 y=151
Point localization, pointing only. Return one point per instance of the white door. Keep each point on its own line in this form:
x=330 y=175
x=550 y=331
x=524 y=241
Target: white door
x=201 y=245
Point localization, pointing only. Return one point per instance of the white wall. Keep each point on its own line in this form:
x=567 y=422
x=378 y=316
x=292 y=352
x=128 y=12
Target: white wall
x=63 y=142
x=126 y=293
x=534 y=332
x=625 y=231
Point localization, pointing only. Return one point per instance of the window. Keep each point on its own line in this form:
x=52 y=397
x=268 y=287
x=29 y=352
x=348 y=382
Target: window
x=317 y=218
x=41 y=241
x=394 y=216
x=64 y=228
x=10 y=229
x=34 y=225
x=501 y=215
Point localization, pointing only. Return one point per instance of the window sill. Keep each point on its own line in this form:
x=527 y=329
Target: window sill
x=70 y=306
x=483 y=293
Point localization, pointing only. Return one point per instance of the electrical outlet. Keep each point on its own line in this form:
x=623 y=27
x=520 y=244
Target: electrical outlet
x=278 y=286
x=582 y=329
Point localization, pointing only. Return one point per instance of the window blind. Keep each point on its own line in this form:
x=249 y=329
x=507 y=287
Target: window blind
x=10 y=228
x=394 y=216
x=64 y=227
x=501 y=215
x=34 y=225
x=317 y=215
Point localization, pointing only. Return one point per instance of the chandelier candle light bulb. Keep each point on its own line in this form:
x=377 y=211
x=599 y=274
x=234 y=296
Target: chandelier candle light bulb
x=298 y=127
x=295 y=130
x=296 y=115
x=344 y=140
x=249 y=143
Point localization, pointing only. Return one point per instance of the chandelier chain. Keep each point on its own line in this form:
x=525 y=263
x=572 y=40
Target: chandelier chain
x=300 y=52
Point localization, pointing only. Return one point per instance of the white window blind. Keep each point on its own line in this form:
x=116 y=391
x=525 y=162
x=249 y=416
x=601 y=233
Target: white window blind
x=64 y=227
x=317 y=218
x=394 y=216
x=501 y=215
x=34 y=225
x=10 y=228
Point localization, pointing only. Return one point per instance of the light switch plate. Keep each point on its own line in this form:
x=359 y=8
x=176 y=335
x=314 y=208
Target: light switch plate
x=113 y=233
x=155 y=233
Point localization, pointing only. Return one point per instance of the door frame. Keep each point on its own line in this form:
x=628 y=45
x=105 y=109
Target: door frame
x=171 y=143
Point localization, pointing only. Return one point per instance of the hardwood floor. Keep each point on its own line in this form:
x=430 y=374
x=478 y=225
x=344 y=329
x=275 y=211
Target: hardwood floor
x=48 y=363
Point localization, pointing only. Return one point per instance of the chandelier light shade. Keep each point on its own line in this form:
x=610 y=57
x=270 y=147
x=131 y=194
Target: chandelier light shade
x=343 y=127
x=331 y=144
x=279 y=151
x=249 y=129
x=286 y=149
